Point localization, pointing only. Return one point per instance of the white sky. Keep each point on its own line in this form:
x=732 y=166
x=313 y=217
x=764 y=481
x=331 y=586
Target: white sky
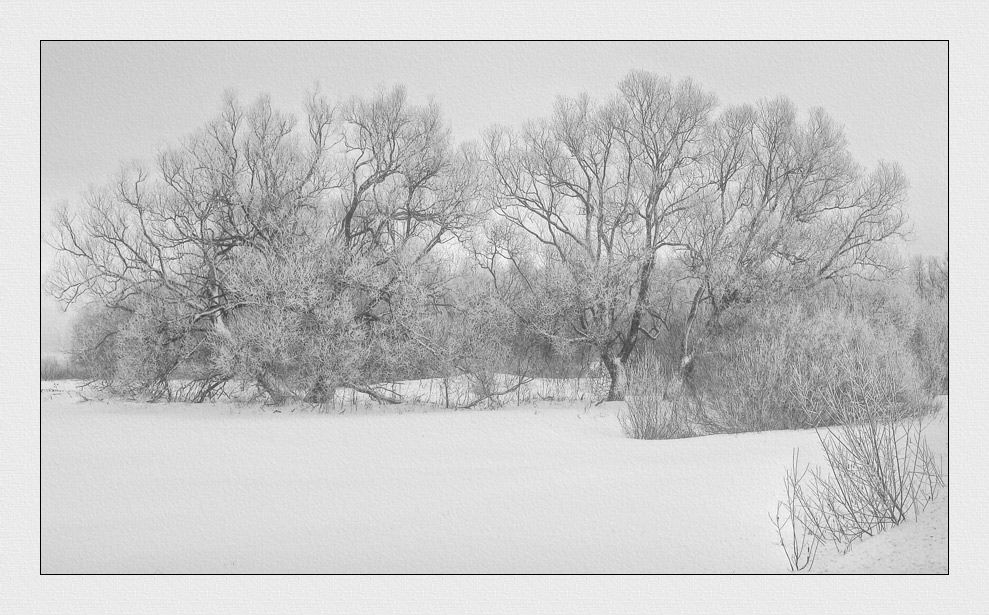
x=107 y=103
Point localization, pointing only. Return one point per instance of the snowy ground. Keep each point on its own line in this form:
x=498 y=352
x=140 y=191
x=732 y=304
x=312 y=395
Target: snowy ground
x=547 y=487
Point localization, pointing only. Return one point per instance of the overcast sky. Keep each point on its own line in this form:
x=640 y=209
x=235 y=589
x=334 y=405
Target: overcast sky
x=103 y=104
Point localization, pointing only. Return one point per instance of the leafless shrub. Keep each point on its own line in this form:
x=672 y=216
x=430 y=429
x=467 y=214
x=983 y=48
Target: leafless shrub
x=793 y=526
x=929 y=345
x=880 y=472
x=785 y=368
x=912 y=307
x=476 y=348
x=650 y=413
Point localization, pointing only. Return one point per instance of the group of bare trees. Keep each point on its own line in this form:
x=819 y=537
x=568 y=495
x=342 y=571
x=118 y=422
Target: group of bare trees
x=279 y=253
x=746 y=202
x=353 y=249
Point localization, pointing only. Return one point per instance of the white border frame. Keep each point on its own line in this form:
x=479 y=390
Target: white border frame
x=23 y=23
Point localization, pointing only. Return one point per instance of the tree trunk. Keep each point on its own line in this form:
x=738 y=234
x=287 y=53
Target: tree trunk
x=686 y=346
x=619 y=377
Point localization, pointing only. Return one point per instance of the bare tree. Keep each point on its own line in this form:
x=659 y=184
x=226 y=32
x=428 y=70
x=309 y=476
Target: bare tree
x=160 y=238
x=379 y=175
x=408 y=197
x=783 y=207
x=602 y=189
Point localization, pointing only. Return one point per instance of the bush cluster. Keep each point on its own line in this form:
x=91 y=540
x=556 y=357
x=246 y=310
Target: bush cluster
x=783 y=366
x=798 y=360
x=654 y=410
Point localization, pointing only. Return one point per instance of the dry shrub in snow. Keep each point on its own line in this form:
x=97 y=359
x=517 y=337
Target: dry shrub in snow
x=476 y=342
x=793 y=526
x=929 y=344
x=916 y=312
x=783 y=367
x=651 y=413
x=880 y=472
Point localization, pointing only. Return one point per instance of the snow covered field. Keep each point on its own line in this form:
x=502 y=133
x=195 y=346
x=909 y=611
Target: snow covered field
x=541 y=487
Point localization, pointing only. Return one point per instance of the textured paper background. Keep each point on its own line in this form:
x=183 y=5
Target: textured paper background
x=22 y=590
